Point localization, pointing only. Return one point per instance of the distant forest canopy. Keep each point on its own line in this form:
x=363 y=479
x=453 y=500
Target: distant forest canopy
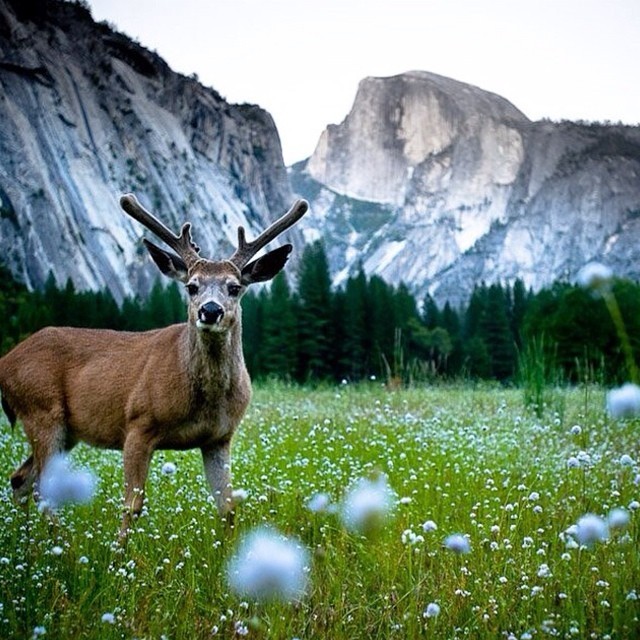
x=368 y=328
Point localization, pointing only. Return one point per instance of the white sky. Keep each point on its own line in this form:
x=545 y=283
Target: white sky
x=302 y=60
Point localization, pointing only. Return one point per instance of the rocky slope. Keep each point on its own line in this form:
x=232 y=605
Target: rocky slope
x=442 y=185
x=85 y=115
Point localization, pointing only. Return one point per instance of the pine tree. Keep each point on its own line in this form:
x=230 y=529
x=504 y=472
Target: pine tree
x=279 y=344
x=315 y=315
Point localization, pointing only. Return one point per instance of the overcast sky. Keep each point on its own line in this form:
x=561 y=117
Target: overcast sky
x=302 y=59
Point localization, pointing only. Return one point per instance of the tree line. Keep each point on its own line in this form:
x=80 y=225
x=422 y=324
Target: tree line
x=367 y=328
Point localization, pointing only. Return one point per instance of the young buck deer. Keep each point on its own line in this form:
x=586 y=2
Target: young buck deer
x=185 y=386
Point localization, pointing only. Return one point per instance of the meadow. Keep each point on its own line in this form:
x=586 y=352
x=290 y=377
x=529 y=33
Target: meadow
x=469 y=460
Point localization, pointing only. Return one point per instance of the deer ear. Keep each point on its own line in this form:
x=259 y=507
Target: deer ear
x=267 y=266
x=169 y=263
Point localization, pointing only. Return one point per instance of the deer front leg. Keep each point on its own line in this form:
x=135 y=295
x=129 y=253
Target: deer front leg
x=136 y=454
x=217 y=469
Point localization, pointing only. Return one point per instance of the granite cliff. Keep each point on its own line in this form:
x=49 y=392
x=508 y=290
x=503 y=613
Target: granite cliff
x=443 y=185
x=87 y=114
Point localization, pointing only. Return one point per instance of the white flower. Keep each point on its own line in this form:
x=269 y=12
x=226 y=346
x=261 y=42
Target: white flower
x=39 y=631
x=60 y=485
x=573 y=462
x=595 y=276
x=429 y=525
x=544 y=571
x=267 y=566
x=633 y=505
x=576 y=430
x=238 y=496
x=618 y=518
x=591 y=528
x=432 y=610
x=57 y=551
x=108 y=618
x=457 y=543
x=367 y=504
x=626 y=460
x=168 y=468
x=319 y=503
x=624 y=402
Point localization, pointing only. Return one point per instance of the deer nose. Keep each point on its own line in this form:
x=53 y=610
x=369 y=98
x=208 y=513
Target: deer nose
x=210 y=313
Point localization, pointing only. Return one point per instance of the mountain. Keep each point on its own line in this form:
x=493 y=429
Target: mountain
x=442 y=185
x=86 y=114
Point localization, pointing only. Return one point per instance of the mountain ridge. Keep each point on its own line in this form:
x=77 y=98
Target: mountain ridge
x=85 y=118
x=484 y=194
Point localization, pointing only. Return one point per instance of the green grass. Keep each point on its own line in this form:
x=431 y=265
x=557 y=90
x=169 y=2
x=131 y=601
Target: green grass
x=470 y=459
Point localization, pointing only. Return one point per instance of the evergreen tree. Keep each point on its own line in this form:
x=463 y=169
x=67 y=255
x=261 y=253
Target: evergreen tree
x=315 y=315
x=496 y=333
x=279 y=343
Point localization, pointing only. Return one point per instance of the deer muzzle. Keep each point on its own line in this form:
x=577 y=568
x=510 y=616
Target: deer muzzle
x=210 y=315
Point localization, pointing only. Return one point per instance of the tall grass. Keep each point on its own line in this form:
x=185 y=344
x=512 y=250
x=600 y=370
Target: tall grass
x=469 y=459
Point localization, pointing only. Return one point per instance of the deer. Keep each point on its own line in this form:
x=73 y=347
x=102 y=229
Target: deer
x=181 y=387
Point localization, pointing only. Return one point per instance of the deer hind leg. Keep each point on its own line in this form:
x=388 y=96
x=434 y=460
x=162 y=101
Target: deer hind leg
x=136 y=454
x=22 y=480
x=46 y=434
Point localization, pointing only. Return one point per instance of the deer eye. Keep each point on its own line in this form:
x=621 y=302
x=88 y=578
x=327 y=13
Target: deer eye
x=234 y=290
x=192 y=288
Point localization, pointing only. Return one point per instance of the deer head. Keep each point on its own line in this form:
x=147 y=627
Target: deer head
x=215 y=287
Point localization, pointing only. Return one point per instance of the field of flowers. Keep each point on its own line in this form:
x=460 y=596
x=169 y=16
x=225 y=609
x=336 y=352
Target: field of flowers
x=448 y=512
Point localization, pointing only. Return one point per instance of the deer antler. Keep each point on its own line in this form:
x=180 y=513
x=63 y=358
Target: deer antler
x=183 y=245
x=246 y=250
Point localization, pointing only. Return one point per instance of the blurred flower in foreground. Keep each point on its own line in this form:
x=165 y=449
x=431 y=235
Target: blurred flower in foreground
x=60 y=484
x=269 y=566
x=457 y=543
x=618 y=518
x=367 y=504
x=624 y=402
x=432 y=610
x=591 y=528
x=319 y=503
x=594 y=276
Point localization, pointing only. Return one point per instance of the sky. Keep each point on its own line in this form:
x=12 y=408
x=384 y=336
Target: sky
x=302 y=60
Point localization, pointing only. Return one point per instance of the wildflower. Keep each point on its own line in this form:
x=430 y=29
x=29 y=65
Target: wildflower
x=269 y=566
x=573 y=462
x=576 y=430
x=108 y=618
x=57 y=551
x=633 y=505
x=624 y=402
x=595 y=276
x=432 y=610
x=457 y=543
x=60 y=485
x=544 y=571
x=168 y=468
x=319 y=503
x=367 y=505
x=591 y=528
x=39 y=631
x=238 y=496
x=618 y=518
x=626 y=460
x=429 y=525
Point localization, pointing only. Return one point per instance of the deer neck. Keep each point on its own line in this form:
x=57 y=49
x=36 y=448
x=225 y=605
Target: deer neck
x=214 y=360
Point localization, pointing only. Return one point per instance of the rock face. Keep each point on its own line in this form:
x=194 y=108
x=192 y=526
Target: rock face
x=442 y=185
x=86 y=115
